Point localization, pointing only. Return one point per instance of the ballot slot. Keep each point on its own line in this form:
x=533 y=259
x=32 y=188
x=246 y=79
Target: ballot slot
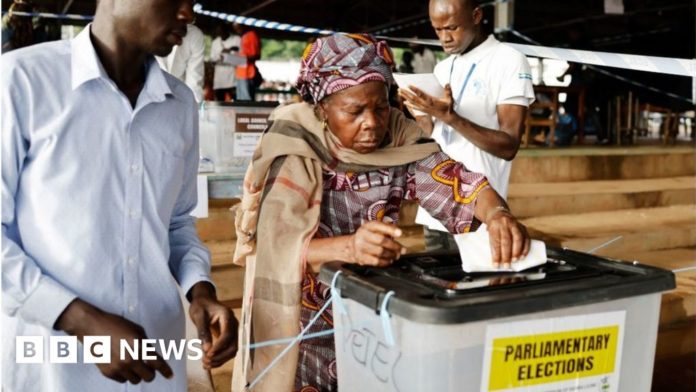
x=443 y=274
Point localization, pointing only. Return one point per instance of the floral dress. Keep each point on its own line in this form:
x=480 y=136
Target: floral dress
x=441 y=185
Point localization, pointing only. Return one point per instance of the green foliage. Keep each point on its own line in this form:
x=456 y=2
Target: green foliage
x=272 y=49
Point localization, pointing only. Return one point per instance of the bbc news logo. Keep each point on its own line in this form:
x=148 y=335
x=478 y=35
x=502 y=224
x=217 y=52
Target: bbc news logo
x=97 y=349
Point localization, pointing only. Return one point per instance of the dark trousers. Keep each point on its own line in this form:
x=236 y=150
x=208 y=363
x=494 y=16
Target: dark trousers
x=222 y=93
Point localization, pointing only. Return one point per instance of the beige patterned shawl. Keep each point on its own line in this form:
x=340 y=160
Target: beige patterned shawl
x=277 y=218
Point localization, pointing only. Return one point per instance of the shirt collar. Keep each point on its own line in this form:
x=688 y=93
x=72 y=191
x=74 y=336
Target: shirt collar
x=481 y=50
x=86 y=66
x=156 y=85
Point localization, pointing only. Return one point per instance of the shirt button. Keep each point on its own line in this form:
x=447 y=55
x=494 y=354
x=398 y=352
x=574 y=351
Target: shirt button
x=131 y=308
x=133 y=213
x=134 y=168
x=130 y=260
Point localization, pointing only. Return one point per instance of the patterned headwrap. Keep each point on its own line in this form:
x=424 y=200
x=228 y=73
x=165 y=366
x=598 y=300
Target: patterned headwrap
x=340 y=61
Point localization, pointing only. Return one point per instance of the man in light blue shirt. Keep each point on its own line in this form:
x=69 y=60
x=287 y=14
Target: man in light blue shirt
x=99 y=163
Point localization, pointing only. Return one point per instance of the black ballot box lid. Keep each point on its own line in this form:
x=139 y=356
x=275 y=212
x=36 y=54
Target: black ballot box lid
x=433 y=288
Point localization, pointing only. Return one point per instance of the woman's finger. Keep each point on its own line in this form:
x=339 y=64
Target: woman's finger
x=385 y=262
x=381 y=251
x=494 y=240
x=389 y=244
x=527 y=241
x=383 y=228
x=369 y=248
x=389 y=254
x=517 y=242
x=505 y=246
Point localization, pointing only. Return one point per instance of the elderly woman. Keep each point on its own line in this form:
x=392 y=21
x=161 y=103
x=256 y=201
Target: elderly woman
x=326 y=183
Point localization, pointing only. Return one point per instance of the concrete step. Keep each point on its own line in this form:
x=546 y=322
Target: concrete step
x=679 y=304
x=544 y=199
x=229 y=281
x=675 y=374
x=597 y=224
x=221 y=252
x=588 y=164
x=218 y=226
x=631 y=243
x=676 y=340
x=664 y=237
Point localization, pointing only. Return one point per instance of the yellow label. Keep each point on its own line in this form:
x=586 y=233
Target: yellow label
x=522 y=361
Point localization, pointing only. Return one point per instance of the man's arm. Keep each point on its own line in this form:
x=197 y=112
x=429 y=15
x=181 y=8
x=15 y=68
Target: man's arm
x=189 y=259
x=215 y=50
x=189 y=262
x=503 y=144
x=28 y=293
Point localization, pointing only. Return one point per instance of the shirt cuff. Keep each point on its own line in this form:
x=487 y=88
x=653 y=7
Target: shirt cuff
x=192 y=272
x=46 y=303
x=520 y=101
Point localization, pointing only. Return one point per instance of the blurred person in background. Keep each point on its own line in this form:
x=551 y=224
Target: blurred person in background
x=423 y=59
x=248 y=76
x=224 y=78
x=18 y=30
x=185 y=62
x=406 y=65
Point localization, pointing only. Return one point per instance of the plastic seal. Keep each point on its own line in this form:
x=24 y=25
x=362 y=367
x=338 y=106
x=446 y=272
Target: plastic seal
x=384 y=315
x=339 y=307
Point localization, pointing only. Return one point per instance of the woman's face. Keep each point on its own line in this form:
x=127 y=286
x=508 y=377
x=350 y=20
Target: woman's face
x=358 y=116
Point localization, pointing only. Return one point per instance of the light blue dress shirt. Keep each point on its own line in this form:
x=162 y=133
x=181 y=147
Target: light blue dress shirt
x=96 y=198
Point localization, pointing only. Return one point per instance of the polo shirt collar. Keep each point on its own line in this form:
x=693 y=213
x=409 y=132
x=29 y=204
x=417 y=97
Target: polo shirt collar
x=481 y=50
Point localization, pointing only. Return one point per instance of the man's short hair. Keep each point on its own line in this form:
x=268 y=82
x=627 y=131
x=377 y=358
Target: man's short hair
x=471 y=4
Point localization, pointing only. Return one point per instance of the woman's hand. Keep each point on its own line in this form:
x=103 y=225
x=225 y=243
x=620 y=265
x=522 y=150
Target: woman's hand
x=508 y=237
x=373 y=244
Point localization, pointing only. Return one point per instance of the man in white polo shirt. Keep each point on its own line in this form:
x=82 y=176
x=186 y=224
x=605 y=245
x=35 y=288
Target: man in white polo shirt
x=488 y=87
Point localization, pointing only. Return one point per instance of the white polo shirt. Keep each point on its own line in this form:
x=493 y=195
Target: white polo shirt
x=489 y=75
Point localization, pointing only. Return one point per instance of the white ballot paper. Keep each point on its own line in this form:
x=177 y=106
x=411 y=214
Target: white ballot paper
x=233 y=59
x=426 y=82
x=475 y=251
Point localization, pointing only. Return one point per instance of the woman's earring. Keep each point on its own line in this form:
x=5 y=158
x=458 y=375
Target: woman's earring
x=324 y=125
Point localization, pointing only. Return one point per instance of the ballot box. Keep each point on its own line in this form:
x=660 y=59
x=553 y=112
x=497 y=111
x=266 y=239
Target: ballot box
x=577 y=323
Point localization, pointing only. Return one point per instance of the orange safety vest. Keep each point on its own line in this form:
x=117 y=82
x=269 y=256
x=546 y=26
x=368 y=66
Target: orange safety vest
x=250 y=46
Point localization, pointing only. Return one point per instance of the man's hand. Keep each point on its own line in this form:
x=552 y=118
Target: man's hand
x=82 y=319
x=503 y=144
x=508 y=238
x=373 y=244
x=440 y=108
x=216 y=324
